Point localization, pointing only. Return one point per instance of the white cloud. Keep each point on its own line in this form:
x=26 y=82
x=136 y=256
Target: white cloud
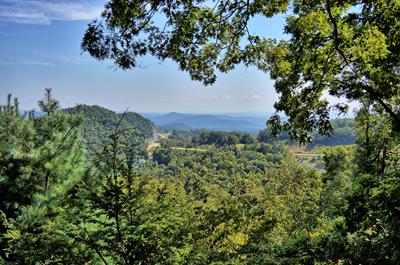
x=56 y=58
x=43 y=59
x=44 y=12
x=25 y=62
x=209 y=96
x=255 y=96
x=226 y=96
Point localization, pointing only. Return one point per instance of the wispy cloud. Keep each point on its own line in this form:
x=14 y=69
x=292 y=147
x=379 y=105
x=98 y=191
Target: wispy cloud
x=43 y=59
x=44 y=12
x=213 y=96
x=209 y=96
x=27 y=62
x=57 y=58
x=254 y=96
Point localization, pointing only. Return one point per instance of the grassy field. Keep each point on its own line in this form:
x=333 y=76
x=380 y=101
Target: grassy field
x=313 y=158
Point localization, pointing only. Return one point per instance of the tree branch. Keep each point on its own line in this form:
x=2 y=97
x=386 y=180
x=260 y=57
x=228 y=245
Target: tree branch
x=367 y=87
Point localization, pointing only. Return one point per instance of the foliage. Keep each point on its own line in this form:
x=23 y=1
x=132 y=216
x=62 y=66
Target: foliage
x=134 y=219
x=99 y=123
x=215 y=202
x=372 y=216
x=42 y=162
x=348 y=48
x=267 y=196
x=222 y=138
x=266 y=136
x=344 y=133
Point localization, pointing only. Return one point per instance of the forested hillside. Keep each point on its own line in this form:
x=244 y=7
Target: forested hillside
x=344 y=133
x=99 y=122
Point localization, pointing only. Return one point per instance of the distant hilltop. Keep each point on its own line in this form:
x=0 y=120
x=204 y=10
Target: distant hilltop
x=99 y=116
x=243 y=122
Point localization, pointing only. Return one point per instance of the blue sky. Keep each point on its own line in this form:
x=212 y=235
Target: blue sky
x=40 y=48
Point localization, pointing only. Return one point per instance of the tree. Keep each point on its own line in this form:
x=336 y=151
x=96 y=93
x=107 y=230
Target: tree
x=42 y=164
x=131 y=218
x=264 y=136
x=48 y=105
x=246 y=138
x=372 y=216
x=347 y=48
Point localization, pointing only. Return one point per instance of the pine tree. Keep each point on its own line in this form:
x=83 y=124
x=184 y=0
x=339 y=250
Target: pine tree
x=42 y=163
x=48 y=104
x=137 y=219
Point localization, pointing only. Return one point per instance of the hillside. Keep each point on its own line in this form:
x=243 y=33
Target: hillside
x=344 y=133
x=99 y=122
x=145 y=126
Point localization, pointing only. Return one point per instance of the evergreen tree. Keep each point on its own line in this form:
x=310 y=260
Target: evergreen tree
x=42 y=163
x=135 y=219
x=48 y=105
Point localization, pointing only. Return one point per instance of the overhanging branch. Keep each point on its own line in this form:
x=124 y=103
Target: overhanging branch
x=368 y=89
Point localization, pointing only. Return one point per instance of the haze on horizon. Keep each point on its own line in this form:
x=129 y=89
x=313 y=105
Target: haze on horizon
x=40 y=48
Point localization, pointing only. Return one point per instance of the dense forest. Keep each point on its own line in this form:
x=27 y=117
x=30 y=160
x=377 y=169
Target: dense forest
x=99 y=122
x=85 y=186
x=344 y=133
x=227 y=198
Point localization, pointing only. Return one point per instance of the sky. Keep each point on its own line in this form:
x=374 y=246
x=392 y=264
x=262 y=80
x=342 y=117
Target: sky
x=40 y=48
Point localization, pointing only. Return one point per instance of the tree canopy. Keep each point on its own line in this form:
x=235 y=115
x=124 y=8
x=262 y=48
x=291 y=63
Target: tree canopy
x=215 y=201
x=349 y=49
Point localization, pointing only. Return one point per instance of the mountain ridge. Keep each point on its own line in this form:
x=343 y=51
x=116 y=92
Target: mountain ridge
x=222 y=122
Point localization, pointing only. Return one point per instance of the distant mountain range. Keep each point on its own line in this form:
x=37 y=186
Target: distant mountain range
x=242 y=122
x=245 y=122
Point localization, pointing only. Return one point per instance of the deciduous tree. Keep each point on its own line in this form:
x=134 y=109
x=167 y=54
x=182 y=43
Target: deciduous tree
x=348 y=49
